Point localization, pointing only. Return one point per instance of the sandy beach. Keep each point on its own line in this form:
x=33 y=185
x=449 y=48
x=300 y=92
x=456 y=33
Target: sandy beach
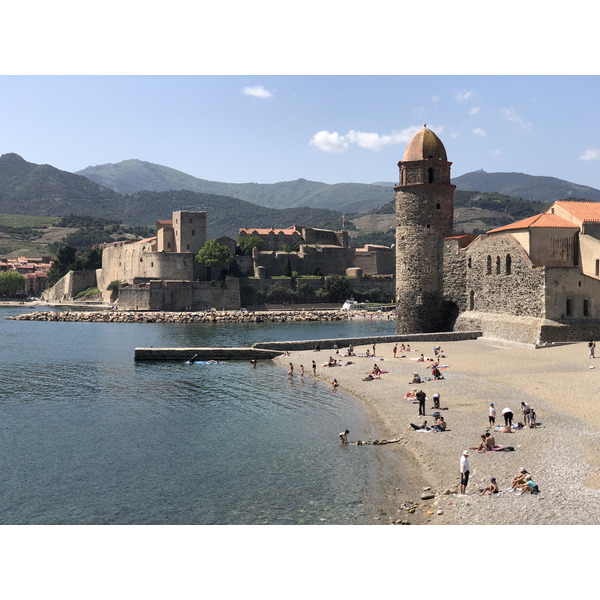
x=562 y=453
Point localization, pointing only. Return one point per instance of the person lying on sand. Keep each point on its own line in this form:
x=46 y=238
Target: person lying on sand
x=417 y=427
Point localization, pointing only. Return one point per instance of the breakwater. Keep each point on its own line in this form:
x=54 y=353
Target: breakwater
x=184 y=317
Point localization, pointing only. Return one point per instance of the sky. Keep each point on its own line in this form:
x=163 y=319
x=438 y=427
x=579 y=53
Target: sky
x=328 y=128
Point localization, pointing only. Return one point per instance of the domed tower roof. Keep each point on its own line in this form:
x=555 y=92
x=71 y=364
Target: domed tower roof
x=425 y=144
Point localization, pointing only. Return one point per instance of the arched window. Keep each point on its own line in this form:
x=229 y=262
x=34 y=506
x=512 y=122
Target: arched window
x=472 y=300
x=469 y=262
x=508 y=264
x=497 y=265
x=489 y=265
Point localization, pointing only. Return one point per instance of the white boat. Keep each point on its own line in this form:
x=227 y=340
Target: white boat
x=353 y=305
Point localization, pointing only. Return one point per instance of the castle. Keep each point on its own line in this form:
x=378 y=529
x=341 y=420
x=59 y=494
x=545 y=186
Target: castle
x=534 y=281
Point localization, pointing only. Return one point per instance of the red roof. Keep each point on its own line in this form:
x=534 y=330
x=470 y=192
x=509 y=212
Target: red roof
x=267 y=231
x=543 y=220
x=585 y=211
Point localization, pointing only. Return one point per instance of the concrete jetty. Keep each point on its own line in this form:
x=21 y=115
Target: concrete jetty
x=183 y=354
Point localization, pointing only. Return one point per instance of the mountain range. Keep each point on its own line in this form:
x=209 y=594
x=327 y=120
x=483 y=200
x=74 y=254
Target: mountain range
x=139 y=193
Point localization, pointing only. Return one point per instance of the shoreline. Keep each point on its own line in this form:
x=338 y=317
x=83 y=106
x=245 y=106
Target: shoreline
x=562 y=453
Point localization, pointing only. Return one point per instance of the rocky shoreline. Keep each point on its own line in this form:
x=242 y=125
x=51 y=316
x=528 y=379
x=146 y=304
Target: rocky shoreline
x=183 y=317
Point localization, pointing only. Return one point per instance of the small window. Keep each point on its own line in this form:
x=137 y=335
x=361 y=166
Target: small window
x=168 y=244
x=191 y=220
x=472 y=300
x=430 y=175
x=438 y=206
x=193 y=232
x=497 y=265
x=188 y=247
x=489 y=265
x=586 y=307
x=469 y=262
x=151 y=264
x=597 y=268
x=428 y=225
x=508 y=264
x=569 y=307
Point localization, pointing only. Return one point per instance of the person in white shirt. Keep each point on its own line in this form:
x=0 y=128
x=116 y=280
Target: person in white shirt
x=464 y=472
x=508 y=416
x=492 y=415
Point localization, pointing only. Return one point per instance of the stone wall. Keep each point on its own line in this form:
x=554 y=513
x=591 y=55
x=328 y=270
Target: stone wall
x=501 y=279
x=70 y=285
x=180 y=295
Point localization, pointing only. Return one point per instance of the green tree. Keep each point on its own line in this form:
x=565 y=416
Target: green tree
x=335 y=289
x=247 y=242
x=213 y=254
x=12 y=283
x=62 y=264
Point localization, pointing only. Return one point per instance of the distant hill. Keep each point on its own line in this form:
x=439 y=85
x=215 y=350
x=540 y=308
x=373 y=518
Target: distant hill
x=528 y=187
x=43 y=190
x=131 y=176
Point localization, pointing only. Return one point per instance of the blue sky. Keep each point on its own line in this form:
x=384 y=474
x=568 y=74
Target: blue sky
x=266 y=128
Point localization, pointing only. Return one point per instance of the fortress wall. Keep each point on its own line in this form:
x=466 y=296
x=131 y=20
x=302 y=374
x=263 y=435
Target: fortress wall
x=70 y=285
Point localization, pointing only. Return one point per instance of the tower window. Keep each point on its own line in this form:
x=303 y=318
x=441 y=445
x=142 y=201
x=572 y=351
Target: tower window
x=508 y=264
x=430 y=175
x=438 y=206
x=428 y=225
x=569 y=307
x=497 y=265
x=586 y=307
x=193 y=232
x=469 y=262
x=472 y=300
x=489 y=265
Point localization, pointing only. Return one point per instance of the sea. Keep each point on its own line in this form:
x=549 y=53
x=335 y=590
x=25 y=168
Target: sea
x=88 y=436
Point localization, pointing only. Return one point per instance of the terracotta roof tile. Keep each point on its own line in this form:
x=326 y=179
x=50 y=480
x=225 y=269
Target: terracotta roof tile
x=585 y=211
x=543 y=220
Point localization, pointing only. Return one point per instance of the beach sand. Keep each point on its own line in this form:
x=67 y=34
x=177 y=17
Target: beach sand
x=562 y=453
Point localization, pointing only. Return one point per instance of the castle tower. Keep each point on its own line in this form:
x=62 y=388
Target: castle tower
x=424 y=216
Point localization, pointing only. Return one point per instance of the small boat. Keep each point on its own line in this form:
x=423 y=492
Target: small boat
x=353 y=305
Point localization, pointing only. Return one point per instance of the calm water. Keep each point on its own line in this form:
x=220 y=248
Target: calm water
x=87 y=436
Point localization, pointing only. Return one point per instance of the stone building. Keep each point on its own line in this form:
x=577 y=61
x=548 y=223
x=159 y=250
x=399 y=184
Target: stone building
x=312 y=249
x=533 y=281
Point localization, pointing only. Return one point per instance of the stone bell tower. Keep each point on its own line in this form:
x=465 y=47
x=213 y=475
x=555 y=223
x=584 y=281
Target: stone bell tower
x=424 y=216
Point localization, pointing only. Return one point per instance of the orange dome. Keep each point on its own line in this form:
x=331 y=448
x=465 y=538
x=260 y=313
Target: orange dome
x=425 y=144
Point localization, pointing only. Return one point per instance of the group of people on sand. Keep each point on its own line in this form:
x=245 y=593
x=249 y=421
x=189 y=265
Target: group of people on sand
x=522 y=483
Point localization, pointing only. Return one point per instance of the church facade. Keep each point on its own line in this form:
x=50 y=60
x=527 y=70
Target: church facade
x=534 y=281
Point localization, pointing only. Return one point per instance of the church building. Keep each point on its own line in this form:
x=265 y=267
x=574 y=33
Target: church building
x=534 y=281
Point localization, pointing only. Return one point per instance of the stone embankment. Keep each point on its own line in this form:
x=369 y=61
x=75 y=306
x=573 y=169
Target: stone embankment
x=183 y=317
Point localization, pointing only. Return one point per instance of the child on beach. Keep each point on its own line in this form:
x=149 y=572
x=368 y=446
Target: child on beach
x=302 y=371
x=344 y=437
x=334 y=384
x=395 y=350
x=491 y=489
x=314 y=368
x=291 y=370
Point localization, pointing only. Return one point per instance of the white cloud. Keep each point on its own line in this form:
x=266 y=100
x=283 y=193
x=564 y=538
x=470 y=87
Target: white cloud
x=478 y=131
x=496 y=153
x=590 y=154
x=510 y=114
x=258 y=91
x=462 y=96
x=435 y=98
x=333 y=142
x=474 y=110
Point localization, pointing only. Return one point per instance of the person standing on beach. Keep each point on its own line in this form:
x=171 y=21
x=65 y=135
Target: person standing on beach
x=395 y=350
x=492 y=416
x=291 y=371
x=464 y=473
x=314 y=368
x=436 y=400
x=302 y=371
x=421 y=398
x=592 y=348
x=508 y=416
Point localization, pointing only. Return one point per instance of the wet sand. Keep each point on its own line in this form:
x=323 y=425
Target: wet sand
x=562 y=453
